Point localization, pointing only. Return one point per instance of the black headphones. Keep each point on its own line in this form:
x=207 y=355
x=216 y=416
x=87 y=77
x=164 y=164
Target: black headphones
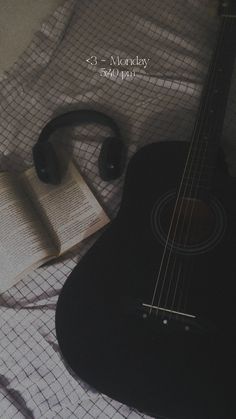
x=111 y=158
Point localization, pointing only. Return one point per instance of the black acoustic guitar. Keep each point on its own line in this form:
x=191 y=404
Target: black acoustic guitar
x=148 y=316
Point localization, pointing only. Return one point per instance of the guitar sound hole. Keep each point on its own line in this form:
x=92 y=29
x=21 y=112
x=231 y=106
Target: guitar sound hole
x=193 y=221
x=191 y=226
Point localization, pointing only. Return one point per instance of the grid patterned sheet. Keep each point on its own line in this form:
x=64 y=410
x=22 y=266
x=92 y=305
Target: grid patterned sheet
x=160 y=103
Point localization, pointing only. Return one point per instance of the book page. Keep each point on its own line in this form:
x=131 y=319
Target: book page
x=70 y=210
x=23 y=241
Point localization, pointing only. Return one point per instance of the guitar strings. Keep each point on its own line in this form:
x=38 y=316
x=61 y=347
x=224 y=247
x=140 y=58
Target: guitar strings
x=177 y=223
x=180 y=270
x=202 y=161
x=191 y=215
x=171 y=224
x=180 y=210
x=231 y=23
x=201 y=158
x=230 y=26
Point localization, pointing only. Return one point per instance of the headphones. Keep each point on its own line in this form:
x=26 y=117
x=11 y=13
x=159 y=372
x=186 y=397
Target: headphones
x=111 y=158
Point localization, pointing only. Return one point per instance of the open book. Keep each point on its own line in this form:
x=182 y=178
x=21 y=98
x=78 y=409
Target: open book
x=39 y=222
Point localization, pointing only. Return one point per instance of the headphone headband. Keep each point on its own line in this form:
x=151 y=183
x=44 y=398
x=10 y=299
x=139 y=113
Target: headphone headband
x=75 y=118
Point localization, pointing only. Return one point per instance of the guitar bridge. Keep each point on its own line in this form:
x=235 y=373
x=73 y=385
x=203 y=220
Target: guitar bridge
x=162 y=319
x=175 y=321
x=166 y=310
x=168 y=318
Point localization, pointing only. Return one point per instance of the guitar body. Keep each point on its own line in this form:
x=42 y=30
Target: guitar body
x=177 y=362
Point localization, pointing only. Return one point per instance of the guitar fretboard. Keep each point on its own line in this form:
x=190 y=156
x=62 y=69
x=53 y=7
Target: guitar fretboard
x=208 y=128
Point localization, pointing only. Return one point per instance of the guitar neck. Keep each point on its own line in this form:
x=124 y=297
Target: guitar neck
x=209 y=123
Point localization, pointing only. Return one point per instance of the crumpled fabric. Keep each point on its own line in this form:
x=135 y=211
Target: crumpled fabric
x=158 y=104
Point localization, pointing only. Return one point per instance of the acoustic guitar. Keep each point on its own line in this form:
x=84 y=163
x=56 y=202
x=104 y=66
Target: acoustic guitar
x=148 y=316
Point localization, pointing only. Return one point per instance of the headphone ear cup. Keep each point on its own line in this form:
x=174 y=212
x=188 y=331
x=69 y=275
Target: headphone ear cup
x=46 y=163
x=111 y=158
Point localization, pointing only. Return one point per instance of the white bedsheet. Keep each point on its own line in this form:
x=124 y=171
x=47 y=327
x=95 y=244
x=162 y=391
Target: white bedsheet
x=159 y=104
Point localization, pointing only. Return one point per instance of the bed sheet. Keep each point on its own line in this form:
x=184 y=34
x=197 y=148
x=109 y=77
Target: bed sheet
x=159 y=103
